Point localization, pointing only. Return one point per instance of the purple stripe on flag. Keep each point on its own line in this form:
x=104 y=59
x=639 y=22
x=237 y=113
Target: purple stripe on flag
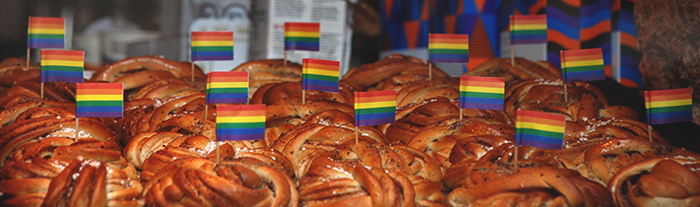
x=226 y=100
x=529 y=41
x=542 y=145
x=236 y=137
x=448 y=60
x=320 y=88
x=212 y=58
x=481 y=106
x=671 y=120
x=61 y=79
x=593 y=77
x=99 y=114
x=371 y=122
x=37 y=45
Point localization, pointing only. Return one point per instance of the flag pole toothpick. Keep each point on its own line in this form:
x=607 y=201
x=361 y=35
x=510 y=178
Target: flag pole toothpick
x=649 y=131
x=430 y=71
x=77 y=130
x=206 y=111
x=192 y=73
x=285 y=58
x=515 y=159
x=42 y=90
x=512 y=55
x=460 y=114
x=28 y=58
x=218 y=154
x=357 y=136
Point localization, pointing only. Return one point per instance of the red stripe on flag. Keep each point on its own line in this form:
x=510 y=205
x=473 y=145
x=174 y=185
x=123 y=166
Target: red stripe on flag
x=92 y=86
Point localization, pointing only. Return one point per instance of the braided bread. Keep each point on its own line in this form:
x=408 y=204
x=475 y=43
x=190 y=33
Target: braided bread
x=524 y=69
x=371 y=175
x=233 y=182
x=269 y=71
x=533 y=187
x=658 y=182
x=139 y=71
x=369 y=75
x=548 y=96
x=13 y=70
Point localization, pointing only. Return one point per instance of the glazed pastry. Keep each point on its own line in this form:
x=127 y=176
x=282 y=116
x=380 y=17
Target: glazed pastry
x=657 y=182
x=369 y=75
x=232 y=182
x=139 y=71
x=268 y=71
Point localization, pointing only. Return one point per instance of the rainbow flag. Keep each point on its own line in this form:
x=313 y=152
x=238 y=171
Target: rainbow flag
x=62 y=65
x=320 y=75
x=46 y=32
x=99 y=99
x=448 y=48
x=539 y=129
x=669 y=106
x=375 y=107
x=227 y=87
x=582 y=65
x=302 y=36
x=212 y=45
x=481 y=92
x=528 y=29
x=240 y=122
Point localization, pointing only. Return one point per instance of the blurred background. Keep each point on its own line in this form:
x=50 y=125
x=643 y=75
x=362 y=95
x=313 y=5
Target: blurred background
x=111 y=30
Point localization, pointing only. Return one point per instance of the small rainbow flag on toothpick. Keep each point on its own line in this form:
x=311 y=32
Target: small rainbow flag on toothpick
x=375 y=107
x=217 y=45
x=528 y=29
x=448 y=48
x=302 y=36
x=320 y=75
x=62 y=66
x=46 y=32
x=227 y=87
x=481 y=92
x=240 y=122
x=99 y=99
x=582 y=65
x=669 y=106
x=539 y=129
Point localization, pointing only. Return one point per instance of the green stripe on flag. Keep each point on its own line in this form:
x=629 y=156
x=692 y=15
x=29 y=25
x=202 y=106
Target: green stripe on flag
x=481 y=95
x=240 y=125
x=301 y=39
x=672 y=109
x=61 y=68
x=448 y=51
x=46 y=36
x=375 y=110
x=584 y=68
x=320 y=77
x=528 y=32
x=98 y=103
x=541 y=133
x=213 y=48
x=227 y=90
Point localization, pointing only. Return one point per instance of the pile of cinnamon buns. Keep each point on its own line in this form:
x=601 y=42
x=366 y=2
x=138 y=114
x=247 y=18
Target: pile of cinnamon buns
x=162 y=152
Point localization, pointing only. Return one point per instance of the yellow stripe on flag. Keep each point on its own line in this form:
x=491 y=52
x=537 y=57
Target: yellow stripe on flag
x=379 y=104
x=211 y=43
x=99 y=97
x=62 y=63
x=46 y=31
x=448 y=46
x=518 y=27
x=240 y=119
x=542 y=127
x=481 y=89
x=228 y=85
x=313 y=71
x=656 y=104
x=301 y=34
x=582 y=63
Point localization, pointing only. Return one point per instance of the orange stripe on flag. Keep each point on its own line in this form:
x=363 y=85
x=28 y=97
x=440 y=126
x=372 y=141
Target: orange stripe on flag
x=92 y=86
x=228 y=79
x=375 y=99
x=100 y=91
x=226 y=113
